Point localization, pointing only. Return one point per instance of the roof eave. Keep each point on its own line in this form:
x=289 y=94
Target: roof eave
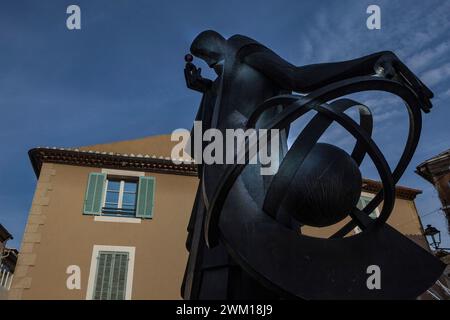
x=38 y=156
x=5 y=232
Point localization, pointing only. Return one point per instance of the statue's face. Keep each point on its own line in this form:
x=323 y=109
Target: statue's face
x=210 y=47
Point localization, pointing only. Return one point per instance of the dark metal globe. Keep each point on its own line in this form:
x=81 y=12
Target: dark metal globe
x=325 y=188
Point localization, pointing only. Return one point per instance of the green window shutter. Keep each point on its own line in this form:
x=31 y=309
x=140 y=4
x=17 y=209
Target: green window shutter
x=111 y=277
x=94 y=193
x=146 y=197
x=363 y=202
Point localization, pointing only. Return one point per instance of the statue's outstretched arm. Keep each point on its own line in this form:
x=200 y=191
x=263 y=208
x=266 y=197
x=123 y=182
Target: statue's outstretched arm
x=311 y=77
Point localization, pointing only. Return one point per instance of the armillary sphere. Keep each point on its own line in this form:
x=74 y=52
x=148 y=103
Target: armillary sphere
x=318 y=185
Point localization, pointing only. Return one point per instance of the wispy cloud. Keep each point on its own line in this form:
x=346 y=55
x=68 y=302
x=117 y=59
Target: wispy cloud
x=435 y=76
x=428 y=56
x=446 y=93
x=387 y=115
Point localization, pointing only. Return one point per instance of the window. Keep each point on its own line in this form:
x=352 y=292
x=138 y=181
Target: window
x=114 y=193
x=111 y=278
x=362 y=203
x=111 y=273
x=120 y=197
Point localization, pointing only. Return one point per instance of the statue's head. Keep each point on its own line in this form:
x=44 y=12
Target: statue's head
x=209 y=46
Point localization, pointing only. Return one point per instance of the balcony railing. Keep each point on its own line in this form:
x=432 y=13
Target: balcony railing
x=120 y=212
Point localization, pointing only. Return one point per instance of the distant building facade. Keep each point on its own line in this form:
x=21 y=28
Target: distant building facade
x=436 y=170
x=114 y=216
x=8 y=259
x=4 y=237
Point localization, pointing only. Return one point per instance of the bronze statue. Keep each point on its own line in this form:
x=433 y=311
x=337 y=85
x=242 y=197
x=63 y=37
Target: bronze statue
x=245 y=236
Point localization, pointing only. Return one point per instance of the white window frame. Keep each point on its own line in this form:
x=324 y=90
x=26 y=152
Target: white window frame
x=108 y=218
x=93 y=269
x=121 y=189
x=357 y=230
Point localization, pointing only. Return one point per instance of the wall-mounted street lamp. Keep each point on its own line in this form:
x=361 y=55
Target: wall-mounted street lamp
x=434 y=236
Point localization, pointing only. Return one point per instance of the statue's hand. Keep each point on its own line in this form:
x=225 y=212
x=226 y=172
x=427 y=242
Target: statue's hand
x=194 y=79
x=391 y=67
x=194 y=72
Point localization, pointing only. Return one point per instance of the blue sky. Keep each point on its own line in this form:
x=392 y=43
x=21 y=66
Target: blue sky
x=121 y=76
